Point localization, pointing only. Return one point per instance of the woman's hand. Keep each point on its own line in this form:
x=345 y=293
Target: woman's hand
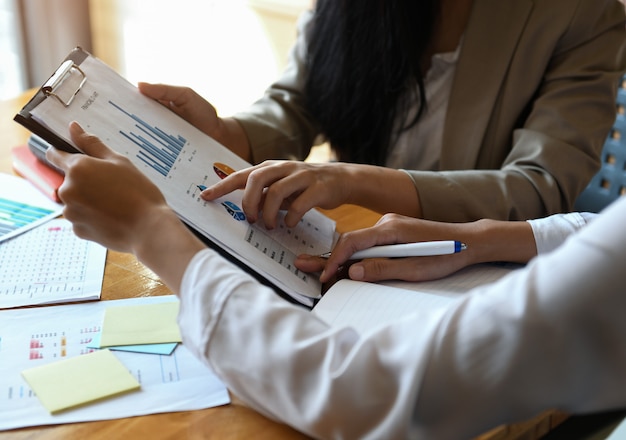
x=299 y=186
x=201 y=114
x=186 y=103
x=393 y=229
x=285 y=185
x=108 y=200
x=486 y=240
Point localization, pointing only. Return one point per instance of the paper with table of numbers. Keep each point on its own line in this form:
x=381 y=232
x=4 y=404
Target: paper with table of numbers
x=50 y=264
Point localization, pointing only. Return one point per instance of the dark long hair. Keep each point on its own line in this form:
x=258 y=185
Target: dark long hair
x=365 y=70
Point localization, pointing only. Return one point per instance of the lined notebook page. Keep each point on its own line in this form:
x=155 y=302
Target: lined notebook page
x=364 y=306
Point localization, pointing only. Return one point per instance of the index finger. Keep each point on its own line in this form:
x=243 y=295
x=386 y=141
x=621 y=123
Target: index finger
x=228 y=184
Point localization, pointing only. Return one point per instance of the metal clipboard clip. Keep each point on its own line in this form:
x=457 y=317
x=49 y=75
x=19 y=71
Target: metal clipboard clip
x=68 y=70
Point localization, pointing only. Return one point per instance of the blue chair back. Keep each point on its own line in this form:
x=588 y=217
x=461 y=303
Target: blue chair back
x=610 y=182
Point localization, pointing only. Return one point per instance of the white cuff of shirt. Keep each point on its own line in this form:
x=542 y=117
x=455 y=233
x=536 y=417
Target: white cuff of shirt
x=550 y=232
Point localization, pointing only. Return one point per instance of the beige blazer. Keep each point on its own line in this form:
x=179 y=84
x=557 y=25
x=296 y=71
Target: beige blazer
x=532 y=101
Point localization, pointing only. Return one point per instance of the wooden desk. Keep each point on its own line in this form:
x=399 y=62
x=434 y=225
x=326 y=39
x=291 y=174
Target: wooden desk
x=125 y=277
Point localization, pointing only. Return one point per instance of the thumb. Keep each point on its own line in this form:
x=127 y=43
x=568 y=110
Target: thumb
x=369 y=270
x=87 y=143
x=382 y=269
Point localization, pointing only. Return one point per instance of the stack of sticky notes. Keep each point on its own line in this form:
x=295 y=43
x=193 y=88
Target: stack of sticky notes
x=149 y=328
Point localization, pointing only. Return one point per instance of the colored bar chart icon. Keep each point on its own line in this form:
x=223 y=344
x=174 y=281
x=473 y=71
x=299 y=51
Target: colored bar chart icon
x=157 y=149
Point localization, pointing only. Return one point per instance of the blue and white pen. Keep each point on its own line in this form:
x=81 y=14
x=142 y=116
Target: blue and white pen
x=420 y=249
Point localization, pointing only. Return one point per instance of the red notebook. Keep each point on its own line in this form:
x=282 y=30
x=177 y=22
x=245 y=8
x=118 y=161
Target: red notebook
x=32 y=169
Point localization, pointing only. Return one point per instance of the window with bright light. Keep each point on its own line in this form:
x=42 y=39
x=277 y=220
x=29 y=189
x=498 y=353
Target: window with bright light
x=229 y=51
x=12 y=80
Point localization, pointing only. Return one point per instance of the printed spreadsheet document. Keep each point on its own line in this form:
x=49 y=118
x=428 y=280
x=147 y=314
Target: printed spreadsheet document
x=50 y=264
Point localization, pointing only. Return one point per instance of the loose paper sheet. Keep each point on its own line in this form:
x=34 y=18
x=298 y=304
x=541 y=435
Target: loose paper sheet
x=50 y=264
x=38 y=336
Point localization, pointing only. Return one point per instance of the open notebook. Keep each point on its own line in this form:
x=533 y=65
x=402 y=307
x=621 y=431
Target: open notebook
x=364 y=306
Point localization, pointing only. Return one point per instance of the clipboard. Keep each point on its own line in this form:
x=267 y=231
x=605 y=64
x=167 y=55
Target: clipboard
x=52 y=89
x=103 y=95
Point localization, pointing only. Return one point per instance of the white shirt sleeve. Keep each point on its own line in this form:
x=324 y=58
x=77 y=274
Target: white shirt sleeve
x=551 y=335
x=550 y=232
x=289 y=365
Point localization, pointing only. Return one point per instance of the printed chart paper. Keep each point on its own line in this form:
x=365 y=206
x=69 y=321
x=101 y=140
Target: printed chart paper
x=22 y=206
x=36 y=336
x=181 y=160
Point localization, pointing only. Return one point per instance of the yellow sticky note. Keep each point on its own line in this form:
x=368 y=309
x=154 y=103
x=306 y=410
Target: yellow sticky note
x=141 y=324
x=79 y=380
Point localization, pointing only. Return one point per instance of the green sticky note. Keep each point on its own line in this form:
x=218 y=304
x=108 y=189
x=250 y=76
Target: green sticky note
x=141 y=324
x=79 y=380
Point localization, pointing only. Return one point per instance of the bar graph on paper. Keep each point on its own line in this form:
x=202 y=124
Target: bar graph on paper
x=157 y=149
x=176 y=156
x=22 y=207
x=15 y=215
x=35 y=336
